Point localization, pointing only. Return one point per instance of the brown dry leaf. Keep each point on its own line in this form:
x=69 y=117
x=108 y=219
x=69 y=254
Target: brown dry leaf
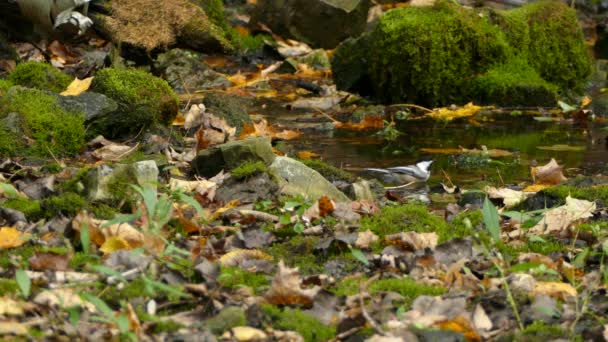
x=321 y=208
x=449 y=114
x=230 y=205
x=77 y=87
x=549 y=174
x=365 y=207
x=202 y=187
x=8 y=328
x=49 y=261
x=493 y=153
x=560 y=218
x=481 y=321
x=286 y=288
x=83 y=219
x=207 y=137
x=307 y=155
x=263 y=129
x=237 y=256
x=554 y=289
x=366 y=239
x=368 y=122
x=10 y=237
x=131 y=236
x=114 y=152
x=413 y=241
x=509 y=197
x=60 y=55
x=134 y=324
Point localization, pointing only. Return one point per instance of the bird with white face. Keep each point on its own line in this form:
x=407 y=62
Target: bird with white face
x=403 y=175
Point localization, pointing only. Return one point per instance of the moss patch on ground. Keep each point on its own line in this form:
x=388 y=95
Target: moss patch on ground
x=409 y=217
x=144 y=101
x=295 y=320
x=4 y=86
x=234 y=277
x=41 y=76
x=53 y=131
x=298 y=251
x=249 y=168
x=30 y=208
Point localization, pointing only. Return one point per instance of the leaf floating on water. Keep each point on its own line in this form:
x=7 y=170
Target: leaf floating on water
x=448 y=113
x=263 y=129
x=561 y=148
x=307 y=155
x=493 y=153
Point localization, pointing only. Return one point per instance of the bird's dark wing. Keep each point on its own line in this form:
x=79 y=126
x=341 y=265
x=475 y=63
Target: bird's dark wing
x=408 y=170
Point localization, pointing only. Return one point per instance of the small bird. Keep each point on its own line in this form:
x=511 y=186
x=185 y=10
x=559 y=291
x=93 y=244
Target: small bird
x=406 y=175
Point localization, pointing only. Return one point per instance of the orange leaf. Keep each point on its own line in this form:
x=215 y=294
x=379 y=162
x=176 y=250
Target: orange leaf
x=461 y=325
x=10 y=237
x=326 y=206
x=307 y=155
x=369 y=122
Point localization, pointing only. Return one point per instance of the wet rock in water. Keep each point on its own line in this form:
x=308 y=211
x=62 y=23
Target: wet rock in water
x=92 y=104
x=295 y=178
x=105 y=182
x=321 y=23
x=227 y=156
x=228 y=107
x=472 y=198
x=249 y=190
x=511 y=51
x=144 y=101
x=316 y=60
x=185 y=72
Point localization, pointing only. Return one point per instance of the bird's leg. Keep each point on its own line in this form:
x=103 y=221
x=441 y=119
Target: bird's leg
x=400 y=186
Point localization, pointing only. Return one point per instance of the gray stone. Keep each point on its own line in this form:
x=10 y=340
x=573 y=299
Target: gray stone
x=227 y=156
x=12 y=123
x=184 y=71
x=230 y=108
x=362 y=190
x=253 y=189
x=521 y=282
x=295 y=178
x=93 y=105
x=99 y=179
x=321 y=23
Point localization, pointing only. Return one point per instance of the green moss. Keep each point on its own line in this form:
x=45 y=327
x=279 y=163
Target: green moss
x=215 y=12
x=52 y=168
x=406 y=287
x=144 y=100
x=249 y=168
x=81 y=260
x=408 y=217
x=4 y=86
x=541 y=331
x=67 y=204
x=233 y=277
x=119 y=186
x=460 y=42
x=589 y=193
x=306 y=325
x=102 y=211
x=226 y=319
x=515 y=82
x=547 y=34
x=328 y=171
x=166 y=326
x=348 y=286
x=75 y=183
x=464 y=223
x=8 y=287
x=133 y=289
x=41 y=76
x=30 y=208
x=298 y=251
x=52 y=129
x=18 y=256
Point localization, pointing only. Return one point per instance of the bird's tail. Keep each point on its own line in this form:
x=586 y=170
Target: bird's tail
x=377 y=170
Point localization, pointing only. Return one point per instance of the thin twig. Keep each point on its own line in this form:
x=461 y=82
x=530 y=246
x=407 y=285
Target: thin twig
x=400 y=186
x=364 y=312
x=326 y=115
x=445 y=174
x=412 y=106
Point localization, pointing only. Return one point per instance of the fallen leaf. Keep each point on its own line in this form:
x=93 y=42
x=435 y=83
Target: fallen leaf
x=561 y=148
x=286 y=288
x=237 y=256
x=307 y=155
x=493 y=153
x=321 y=208
x=368 y=122
x=413 y=241
x=134 y=324
x=509 y=197
x=263 y=129
x=63 y=298
x=554 y=289
x=292 y=48
x=549 y=174
x=366 y=239
x=585 y=101
x=481 y=321
x=77 y=87
x=560 y=218
x=11 y=307
x=461 y=325
x=113 y=152
x=113 y=244
x=10 y=237
x=8 y=328
x=449 y=114
x=245 y=334
x=49 y=261
x=535 y=188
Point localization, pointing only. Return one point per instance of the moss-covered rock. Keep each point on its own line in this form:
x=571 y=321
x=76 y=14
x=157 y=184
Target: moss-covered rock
x=40 y=76
x=514 y=82
x=447 y=54
x=547 y=34
x=4 y=86
x=226 y=319
x=30 y=208
x=40 y=126
x=67 y=204
x=228 y=107
x=232 y=154
x=301 y=322
x=143 y=101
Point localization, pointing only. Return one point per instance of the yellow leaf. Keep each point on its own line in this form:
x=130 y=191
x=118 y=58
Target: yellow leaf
x=113 y=244
x=450 y=114
x=78 y=87
x=11 y=237
x=585 y=102
x=307 y=155
x=554 y=289
x=237 y=256
x=535 y=187
x=232 y=204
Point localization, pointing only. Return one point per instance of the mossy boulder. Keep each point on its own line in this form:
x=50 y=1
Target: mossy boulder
x=4 y=86
x=144 y=101
x=514 y=82
x=228 y=107
x=185 y=72
x=33 y=123
x=446 y=54
x=40 y=76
